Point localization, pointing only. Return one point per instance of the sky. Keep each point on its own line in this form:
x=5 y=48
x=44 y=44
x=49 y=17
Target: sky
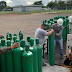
x=24 y=2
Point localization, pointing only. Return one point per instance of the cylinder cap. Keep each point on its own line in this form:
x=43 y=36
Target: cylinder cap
x=22 y=43
x=37 y=41
x=27 y=47
x=14 y=38
x=3 y=42
x=28 y=38
x=31 y=41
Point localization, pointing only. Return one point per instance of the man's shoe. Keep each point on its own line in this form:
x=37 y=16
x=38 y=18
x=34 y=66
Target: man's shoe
x=61 y=57
x=44 y=64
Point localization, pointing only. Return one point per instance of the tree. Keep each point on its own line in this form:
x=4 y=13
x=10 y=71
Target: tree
x=38 y=3
x=8 y=8
x=61 y=4
x=2 y=5
x=52 y=4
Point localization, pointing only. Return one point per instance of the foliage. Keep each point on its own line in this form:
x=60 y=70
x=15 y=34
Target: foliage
x=2 y=5
x=38 y=3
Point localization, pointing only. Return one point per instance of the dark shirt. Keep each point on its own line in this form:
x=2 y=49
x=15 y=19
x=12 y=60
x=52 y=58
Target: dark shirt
x=57 y=31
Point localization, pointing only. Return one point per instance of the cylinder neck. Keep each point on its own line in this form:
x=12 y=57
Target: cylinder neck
x=27 y=47
x=31 y=41
x=28 y=38
x=22 y=43
x=8 y=43
x=14 y=38
x=3 y=42
x=37 y=41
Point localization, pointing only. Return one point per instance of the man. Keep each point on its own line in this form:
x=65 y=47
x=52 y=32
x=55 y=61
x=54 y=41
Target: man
x=41 y=33
x=58 y=28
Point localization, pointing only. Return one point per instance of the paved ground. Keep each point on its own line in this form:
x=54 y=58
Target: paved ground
x=55 y=68
x=27 y=24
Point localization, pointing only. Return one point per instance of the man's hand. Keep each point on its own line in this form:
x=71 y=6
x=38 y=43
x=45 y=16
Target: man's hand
x=52 y=30
x=54 y=34
x=1 y=35
x=15 y=45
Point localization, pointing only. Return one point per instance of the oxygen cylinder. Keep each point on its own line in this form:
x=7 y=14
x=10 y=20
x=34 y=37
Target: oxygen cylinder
x=51 y=19
x=9 y=59
x=67 y=16
x=20 y=35
x=55 y=21
x=33 y=49
x=2 y=42
x=22 y=43
x=59 y=16
x=63 y=17
x=51 y=50
x=55 y=18
x=14 y=34
x=51 y=22
x=48 y=21
x=9 y=36
x=17 y=40
x=2 y=37
x=67 y=21
x=14 y=39
x=28 y=38
x=27 y=60
x=46 y=27
x=64 y=31
x=17 y=57
x=43 y=21
x=39 y=54
x=3 y=60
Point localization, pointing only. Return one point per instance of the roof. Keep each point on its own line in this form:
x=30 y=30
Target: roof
x=29 y=6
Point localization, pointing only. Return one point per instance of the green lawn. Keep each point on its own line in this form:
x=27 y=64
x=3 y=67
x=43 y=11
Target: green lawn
x=64 y=11
x=58 y=11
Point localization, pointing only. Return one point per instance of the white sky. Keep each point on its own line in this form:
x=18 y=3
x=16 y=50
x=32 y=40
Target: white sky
x=24 y=2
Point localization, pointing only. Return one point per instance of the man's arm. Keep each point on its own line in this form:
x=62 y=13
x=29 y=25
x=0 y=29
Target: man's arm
x=1 y=35
x=50 y=32
x=5 y=50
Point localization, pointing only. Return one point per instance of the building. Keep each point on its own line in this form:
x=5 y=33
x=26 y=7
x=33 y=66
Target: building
x=27 y=8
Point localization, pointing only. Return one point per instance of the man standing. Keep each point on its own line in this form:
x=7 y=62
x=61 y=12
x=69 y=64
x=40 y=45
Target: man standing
x=58 y=28
x=41 y=33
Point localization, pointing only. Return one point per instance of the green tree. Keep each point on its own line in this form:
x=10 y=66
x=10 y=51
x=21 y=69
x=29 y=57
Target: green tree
x=52 y=4
x=61 y=4
x=2 y=5
x=6 y=8
x=38 y=3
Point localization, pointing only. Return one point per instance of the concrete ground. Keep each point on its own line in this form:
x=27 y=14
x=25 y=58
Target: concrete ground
x=13 y=23
x=55 y=68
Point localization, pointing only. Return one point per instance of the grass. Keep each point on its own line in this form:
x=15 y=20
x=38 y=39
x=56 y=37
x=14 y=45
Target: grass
x=11 y=12
x=64 y=11
x=58 y=11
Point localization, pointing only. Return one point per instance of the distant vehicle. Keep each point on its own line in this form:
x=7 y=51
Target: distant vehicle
x=44 y=9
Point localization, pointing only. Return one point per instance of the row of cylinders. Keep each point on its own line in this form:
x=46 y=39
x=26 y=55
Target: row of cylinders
x=26 y=58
